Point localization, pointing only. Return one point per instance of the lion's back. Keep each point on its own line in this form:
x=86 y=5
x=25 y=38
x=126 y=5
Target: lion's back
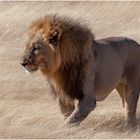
x=118 y=42
x=122 y=45
x=120 y=52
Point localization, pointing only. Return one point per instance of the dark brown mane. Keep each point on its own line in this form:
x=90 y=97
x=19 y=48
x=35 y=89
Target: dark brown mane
x=74 y=41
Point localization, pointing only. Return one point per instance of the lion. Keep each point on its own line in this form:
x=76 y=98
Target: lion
x=78 y=67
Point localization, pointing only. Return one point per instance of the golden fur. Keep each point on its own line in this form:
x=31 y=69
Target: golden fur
x=79 y=67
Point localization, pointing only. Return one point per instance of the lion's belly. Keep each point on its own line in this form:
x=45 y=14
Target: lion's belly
x=102 y=94
x=105 y=85
x=103 y=88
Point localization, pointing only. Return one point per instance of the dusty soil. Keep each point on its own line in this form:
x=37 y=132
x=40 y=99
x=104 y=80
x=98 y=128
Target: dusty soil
x=26 y=108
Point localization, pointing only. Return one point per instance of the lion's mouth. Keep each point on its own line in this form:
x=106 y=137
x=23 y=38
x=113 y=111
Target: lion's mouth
x=30 y=69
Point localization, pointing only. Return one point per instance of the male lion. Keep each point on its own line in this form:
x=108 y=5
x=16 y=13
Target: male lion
x=79 y=67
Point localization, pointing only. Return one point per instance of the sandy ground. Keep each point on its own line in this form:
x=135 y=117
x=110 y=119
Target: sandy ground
x=26 y=108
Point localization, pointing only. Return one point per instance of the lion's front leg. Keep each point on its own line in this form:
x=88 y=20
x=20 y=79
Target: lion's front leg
x=67 y=106
x=84 y=107
x=65 y=103
x=88 y=102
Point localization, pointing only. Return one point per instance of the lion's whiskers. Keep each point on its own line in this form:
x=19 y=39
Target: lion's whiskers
x=26 y=71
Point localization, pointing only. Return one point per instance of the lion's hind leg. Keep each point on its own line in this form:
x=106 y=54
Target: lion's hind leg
x=121 y=90
x=129 y=94
x=131 y=99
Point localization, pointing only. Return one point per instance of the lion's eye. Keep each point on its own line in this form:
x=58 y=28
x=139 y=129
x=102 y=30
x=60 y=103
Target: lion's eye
x=35 y=50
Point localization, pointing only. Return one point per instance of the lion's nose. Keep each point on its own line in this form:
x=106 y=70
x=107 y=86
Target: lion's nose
x=23 y=64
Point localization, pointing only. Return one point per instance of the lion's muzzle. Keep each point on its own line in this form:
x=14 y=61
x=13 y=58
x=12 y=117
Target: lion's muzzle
x=24 y=62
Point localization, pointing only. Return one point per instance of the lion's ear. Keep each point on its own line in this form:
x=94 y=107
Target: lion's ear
x=54 y=39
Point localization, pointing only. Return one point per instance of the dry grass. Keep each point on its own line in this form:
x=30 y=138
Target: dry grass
x=26 y=109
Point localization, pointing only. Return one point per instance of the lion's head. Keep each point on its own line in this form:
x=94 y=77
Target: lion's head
x=42 y=48
x=54 y=42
